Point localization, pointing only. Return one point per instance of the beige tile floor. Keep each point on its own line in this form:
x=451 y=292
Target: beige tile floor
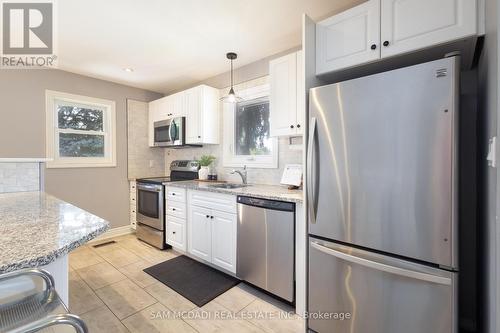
x=109 y=290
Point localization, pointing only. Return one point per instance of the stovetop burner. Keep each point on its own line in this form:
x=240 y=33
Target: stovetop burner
x=179 y=170
x=154 y=180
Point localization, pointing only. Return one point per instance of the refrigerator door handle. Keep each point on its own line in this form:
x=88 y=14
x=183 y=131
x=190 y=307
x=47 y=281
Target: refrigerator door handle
x=311 y=178
x=382 y=267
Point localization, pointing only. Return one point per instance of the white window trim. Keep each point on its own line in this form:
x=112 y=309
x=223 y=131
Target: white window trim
x=52 y=142
x=251 y=161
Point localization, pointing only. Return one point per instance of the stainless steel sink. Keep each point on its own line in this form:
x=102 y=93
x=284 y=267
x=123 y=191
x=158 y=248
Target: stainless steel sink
x=228 y=186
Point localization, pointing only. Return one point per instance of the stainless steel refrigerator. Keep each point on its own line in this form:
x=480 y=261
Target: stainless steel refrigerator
x=382 y=196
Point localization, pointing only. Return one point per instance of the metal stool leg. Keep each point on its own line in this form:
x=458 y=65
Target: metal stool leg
x=63 y=319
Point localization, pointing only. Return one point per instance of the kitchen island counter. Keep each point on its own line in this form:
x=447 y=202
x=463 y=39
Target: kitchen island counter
x=37 y=228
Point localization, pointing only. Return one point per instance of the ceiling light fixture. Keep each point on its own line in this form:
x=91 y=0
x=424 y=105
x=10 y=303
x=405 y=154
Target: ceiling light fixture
x=128 y=69
x=231 y=96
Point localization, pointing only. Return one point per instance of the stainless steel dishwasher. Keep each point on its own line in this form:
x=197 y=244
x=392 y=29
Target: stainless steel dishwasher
x=266 y=250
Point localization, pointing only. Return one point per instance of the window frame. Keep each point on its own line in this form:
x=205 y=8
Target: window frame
x=53 y=98
x=251 y=161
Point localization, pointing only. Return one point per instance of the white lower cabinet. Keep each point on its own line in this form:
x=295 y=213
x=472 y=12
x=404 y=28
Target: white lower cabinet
x=175 y=217
x=133 y=204
x=224 y=240
x=212 y=232
x=200 y=242
x=176 y=233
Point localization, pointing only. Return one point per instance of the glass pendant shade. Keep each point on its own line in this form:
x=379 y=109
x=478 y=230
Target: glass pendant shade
x=231 y=96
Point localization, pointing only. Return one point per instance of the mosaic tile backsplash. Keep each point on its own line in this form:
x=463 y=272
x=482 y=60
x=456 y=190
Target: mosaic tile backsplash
x=19 y=177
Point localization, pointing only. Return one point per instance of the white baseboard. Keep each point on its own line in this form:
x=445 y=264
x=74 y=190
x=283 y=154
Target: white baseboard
x=114 y=232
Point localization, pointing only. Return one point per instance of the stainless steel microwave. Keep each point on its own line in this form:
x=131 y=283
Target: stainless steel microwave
x=170 y=132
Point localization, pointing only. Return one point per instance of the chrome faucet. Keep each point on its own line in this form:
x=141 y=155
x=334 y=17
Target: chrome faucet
x=243 y=174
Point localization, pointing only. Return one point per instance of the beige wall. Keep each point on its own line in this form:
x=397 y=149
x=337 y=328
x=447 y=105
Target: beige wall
x=102 y=191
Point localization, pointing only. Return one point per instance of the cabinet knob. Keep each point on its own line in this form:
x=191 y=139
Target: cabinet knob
x=173 y=209
x=374 y=46
x=173 y=193
x=211 y=217
x=298 y=125
x=386 y=43
x=199 y=136
x=208 y=216
x=291 y=126
x=173 y=232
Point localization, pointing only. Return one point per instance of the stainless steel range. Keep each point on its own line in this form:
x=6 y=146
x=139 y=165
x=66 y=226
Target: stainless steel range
x=151 y=225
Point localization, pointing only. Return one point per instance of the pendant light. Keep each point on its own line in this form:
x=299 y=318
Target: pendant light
x=231 y=96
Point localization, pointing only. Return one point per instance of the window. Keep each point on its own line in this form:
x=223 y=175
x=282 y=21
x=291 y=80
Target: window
x=80 y=131
x=247 y=138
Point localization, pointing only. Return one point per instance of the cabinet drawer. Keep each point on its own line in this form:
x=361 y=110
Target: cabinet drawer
x=133 y=209
x=133 y=199
x=217 y=201
x=175 y=233
x=132 y=186
x=176 y=194
x=176 y=209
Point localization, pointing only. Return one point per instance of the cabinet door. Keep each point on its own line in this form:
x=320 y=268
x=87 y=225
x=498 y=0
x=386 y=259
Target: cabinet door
x=192 y=105
x=153 y=115
x=301 y=95
x=224 y=240
x=200 y=240
x=283 y=95
x=349 y=38
x=177 y=106
x=409 y=25
x=176 y=233
x=164 y=108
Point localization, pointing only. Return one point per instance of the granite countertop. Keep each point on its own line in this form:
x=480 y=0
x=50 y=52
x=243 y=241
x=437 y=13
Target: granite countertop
x=273 y=192
x=37 y=228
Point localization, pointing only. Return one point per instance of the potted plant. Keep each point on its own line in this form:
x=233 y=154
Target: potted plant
x=205 y=162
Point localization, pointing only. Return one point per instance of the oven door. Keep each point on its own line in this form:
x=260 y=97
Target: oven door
x=150 y=205
x=170 y=132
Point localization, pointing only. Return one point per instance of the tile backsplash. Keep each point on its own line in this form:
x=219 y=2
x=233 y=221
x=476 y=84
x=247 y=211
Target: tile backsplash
x=287 y=154
x=19 y=177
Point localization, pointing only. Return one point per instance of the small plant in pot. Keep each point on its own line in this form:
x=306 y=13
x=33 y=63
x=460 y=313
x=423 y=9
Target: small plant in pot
x=205 y=162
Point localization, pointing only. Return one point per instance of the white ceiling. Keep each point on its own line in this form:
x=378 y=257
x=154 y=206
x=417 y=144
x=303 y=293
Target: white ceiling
x=174 y=43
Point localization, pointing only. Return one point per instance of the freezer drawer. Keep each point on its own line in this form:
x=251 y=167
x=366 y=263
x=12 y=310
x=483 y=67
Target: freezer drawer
x=380 y=294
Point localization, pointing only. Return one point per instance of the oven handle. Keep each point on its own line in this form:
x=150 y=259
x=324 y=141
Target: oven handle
x=150 y=187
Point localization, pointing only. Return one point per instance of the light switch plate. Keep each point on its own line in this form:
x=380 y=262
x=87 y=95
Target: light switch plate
x=492 y=152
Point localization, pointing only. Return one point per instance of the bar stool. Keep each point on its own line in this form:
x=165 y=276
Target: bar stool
x=34 y=310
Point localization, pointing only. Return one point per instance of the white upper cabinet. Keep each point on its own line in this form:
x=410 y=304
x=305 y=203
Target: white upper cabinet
x=349 y=38
x=153 y=115
x=379 y=29
x=409 y=25
x=176 y=105
x=286 y=106
x=201 y=106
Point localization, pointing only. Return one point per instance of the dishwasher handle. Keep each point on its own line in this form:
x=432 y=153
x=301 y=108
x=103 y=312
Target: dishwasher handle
x=266 y=203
